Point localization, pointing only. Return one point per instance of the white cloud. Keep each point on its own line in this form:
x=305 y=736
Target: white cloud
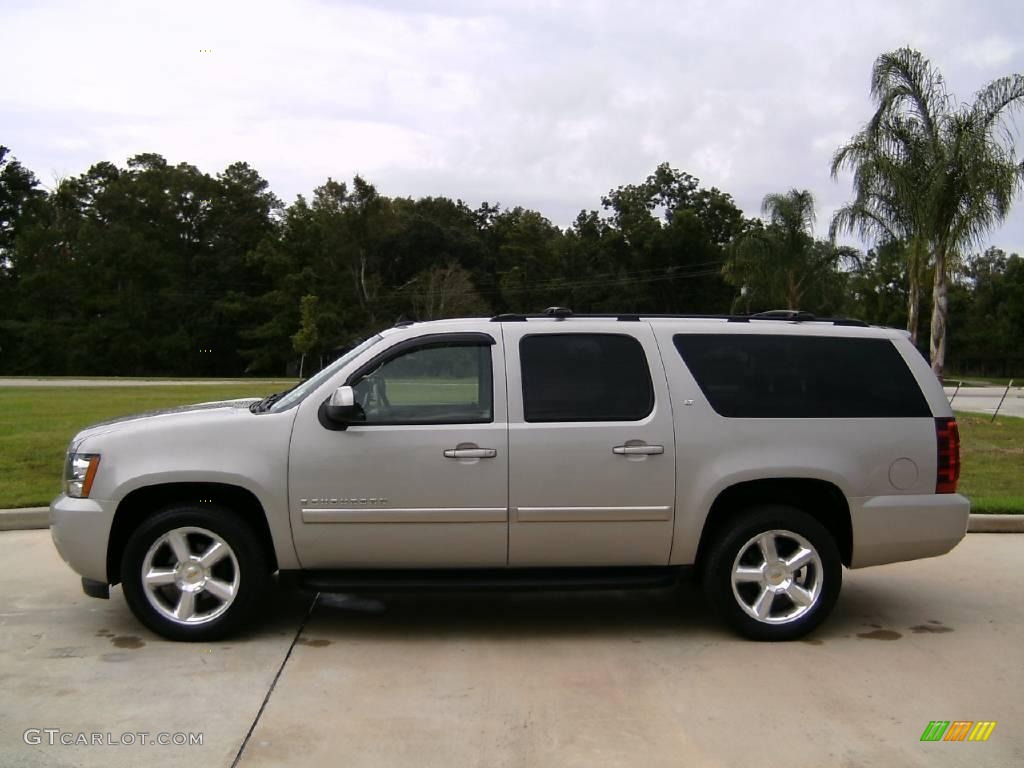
x=990 y=51
x=544 y=104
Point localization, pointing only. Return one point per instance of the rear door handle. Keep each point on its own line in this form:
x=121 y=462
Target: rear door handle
x=470 y=453
x=638 y=450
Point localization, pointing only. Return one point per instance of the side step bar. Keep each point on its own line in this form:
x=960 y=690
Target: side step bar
x=471 y=579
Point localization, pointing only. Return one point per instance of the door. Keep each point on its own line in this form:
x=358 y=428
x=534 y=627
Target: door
x=591 y=449
x=422 y=479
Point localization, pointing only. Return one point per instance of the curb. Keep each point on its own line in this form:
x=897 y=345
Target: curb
x=25 y=519
x=32 y=518
x=996 y=524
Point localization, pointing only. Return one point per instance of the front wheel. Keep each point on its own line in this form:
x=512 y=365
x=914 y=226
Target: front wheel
x=193 y=573
x=775 y=574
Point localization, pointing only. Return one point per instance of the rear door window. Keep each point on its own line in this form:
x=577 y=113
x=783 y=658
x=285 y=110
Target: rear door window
x=584 y=377
x=794 y=377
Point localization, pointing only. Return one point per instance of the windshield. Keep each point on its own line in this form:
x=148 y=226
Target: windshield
x=310 y=384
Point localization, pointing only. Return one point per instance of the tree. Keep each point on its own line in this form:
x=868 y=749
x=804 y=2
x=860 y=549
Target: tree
x=876 y=286
x=987 y=304
x=315 y=321
x=152 y=256
x=525 y=252
x=780 y=263
x=667 y=237
x=886 y=208
x=19 y=194
x=444 y=291
x=22 y=205
x=160 y=269
x=932 y=171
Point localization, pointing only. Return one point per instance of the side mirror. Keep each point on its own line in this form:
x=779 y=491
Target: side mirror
x=341 y=406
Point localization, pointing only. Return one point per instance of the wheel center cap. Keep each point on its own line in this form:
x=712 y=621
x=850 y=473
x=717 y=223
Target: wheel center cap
x=193 y=573
x=776 y=575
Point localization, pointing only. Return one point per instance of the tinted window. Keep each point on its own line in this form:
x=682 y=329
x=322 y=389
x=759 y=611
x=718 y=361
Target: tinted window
x=585 y=377
x=433 y=384
x=755 y=376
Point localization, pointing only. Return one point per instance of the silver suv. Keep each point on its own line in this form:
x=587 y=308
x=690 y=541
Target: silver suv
x=762 y=452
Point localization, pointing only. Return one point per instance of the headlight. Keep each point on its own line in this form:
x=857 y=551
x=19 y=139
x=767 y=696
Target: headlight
x=79 y=472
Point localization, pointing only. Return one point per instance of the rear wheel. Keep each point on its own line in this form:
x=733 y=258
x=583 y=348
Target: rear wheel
x=775 y=574
x=193 y=573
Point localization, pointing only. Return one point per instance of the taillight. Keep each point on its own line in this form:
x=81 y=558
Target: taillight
x=947 y=470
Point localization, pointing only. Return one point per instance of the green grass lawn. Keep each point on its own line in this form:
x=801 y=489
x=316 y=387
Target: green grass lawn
x=36 y=424
x=432 y=391
x=993 y=462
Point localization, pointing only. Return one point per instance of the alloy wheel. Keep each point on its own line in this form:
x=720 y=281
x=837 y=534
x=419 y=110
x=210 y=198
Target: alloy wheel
x=777 y=577
x=190 y=575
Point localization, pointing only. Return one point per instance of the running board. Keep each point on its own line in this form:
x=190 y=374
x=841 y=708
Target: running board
x=471 y=579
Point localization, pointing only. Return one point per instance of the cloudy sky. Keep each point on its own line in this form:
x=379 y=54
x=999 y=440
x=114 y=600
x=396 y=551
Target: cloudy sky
x=541 y=104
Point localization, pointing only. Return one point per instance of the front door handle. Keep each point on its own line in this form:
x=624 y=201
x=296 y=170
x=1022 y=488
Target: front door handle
x=638 y=450
x=470 y=453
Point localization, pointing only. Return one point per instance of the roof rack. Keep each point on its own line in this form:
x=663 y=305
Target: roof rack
x=791 y=315
x=783 y=314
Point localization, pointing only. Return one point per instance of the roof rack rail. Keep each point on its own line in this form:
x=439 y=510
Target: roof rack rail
x=790 y=315
x=558 y=312
x=783 y=314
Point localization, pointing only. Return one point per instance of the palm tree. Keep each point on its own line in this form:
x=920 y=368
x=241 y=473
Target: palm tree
x=887 y=170
x=780 y=262
x=930 y=172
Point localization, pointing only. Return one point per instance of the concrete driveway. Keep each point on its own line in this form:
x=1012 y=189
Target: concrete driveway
x=612 y=679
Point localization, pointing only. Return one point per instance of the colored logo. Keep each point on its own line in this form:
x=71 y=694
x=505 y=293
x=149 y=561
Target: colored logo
x=958 y=730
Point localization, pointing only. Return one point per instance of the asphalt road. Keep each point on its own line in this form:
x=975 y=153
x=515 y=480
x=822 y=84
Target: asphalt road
x=610 y=679
x=986 y=400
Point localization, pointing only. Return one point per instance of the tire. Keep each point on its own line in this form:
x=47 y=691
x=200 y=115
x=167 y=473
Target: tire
x=208 y=571
x=769 y=598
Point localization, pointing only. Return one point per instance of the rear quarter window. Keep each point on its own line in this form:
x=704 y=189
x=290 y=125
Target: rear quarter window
x=801 y=377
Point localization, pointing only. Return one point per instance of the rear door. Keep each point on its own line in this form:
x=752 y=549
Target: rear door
x=591 y=449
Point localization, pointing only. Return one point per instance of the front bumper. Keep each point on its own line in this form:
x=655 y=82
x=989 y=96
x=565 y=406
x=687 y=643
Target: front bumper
x=889 y=529
x=81 y=531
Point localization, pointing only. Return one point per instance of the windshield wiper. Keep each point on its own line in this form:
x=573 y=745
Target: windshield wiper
x=261 y=405
x=269 y=400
